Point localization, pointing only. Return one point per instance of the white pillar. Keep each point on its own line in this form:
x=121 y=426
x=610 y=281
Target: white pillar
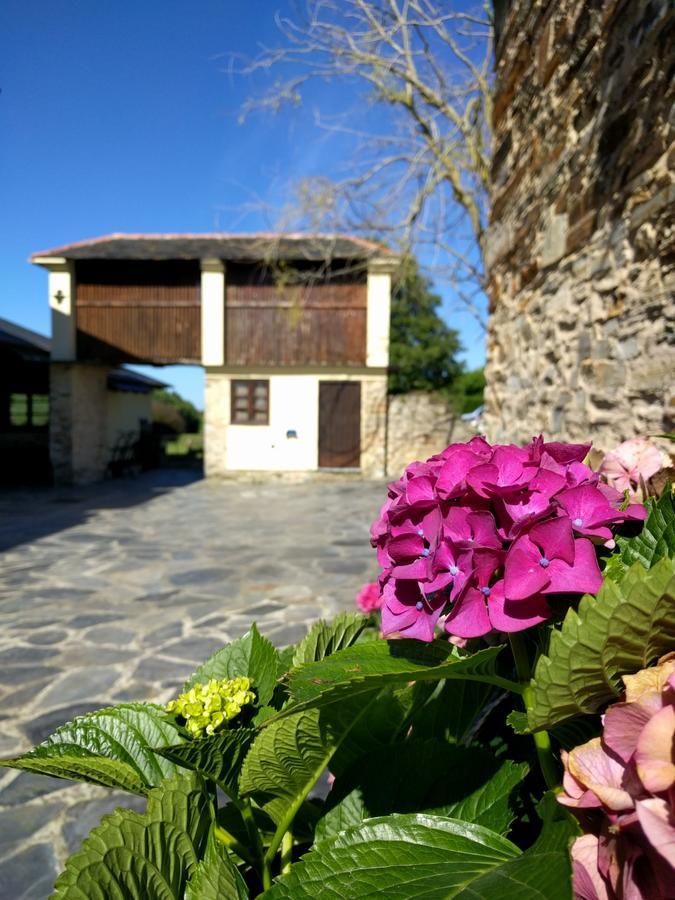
x=62 y=304
x=379 y=306
x=213 y=312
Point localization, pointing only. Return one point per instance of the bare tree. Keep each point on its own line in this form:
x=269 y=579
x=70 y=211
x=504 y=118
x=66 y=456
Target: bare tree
x=418 y=176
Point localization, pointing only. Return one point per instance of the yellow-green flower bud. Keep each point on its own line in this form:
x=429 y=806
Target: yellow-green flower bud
x=207 y=706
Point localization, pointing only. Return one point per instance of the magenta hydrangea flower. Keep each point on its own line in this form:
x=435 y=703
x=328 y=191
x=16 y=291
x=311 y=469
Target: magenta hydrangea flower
x=623 y=785
x=480 y=537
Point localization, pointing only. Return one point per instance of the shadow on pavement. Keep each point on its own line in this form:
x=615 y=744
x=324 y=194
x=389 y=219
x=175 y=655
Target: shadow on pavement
x=27 y=514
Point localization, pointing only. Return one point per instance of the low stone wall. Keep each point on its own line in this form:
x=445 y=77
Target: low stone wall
x=420 y=425
x=582 y=236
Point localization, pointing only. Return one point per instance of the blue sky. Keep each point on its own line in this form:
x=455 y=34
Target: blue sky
x=122 y=116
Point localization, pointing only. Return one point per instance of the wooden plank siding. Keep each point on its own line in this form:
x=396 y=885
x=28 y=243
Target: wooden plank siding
x=149 y=311
x=311 y=323
x=139 y=311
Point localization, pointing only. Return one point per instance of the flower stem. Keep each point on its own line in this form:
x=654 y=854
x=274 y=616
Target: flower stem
x=542 y=741
x=231 y=842
x=286 y=852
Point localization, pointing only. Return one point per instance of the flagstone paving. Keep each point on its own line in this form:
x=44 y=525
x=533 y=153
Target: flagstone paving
x=115 y=592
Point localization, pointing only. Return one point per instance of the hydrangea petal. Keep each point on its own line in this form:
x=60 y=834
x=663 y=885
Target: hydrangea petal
x=583 y=577
x=468 y=617
x=555 y=538
x=654 y=754
x=523 y=575
x=587 y=882
x=515 y=615
x=657 y=823
x=600 y=773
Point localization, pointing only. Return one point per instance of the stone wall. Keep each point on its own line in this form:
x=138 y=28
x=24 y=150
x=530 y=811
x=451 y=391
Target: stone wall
x=581 y=245
x=420 y=425
x=373 y=426
x=77 y=422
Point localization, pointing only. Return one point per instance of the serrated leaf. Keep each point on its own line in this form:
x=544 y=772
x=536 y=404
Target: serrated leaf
x=414 y=856
x=621 y=630
x=424 y=776
x=518 y=722
x=216 y=877
x=252 y=655
x=326 y=638
x=112 y=747
x=378 y=663
x=289 y=755
x=218 y=757
x=140 y=856
x=655 y=541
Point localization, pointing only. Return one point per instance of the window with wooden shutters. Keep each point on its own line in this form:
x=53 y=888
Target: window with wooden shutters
x=250 y=402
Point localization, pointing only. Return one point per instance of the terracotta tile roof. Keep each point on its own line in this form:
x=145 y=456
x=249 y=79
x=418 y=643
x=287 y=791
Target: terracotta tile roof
x=229 y=247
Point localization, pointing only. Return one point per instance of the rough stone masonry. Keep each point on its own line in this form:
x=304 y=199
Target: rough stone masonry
x=581 y=246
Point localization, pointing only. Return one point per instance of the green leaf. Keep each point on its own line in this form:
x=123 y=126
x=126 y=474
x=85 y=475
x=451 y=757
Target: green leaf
x=431 y=857
x=621 y=630
x=518 y=722
x=216 y=877
x=136 y=856
x=456 y=711
x=251 y=655
x=112 y=747
x=378 y=663
x=218 y=757
x=289 y=755
x=655 y=541
x=405 y=779
x=326 y=638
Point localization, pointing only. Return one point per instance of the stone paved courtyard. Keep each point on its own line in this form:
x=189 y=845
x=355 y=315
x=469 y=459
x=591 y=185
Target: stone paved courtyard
x=115 y=592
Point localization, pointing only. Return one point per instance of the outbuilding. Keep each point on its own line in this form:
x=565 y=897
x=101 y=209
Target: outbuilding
x=292 y=331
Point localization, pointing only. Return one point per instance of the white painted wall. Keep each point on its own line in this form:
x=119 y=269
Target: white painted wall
x=124 y=411
x=379 y=305
x=213 y=312
x=62 y=305
x=293 y=406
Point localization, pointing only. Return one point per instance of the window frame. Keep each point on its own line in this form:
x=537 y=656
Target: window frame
x=30 y=424
x=251 y=384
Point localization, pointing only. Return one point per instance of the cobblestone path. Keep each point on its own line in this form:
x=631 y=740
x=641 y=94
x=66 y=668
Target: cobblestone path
x=115 y=592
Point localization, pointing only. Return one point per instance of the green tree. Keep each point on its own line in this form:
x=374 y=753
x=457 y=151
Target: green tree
x=423 y=348
x=466 y=392
x=175 y=412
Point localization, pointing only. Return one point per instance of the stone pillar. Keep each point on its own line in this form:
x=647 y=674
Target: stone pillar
x=373 y=426
x=77 y=422
x=213 y=312
x=216 y=420
x=379 y=304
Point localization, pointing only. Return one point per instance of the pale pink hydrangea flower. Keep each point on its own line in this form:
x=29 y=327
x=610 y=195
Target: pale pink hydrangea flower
x=622 y=786
x=631 y=463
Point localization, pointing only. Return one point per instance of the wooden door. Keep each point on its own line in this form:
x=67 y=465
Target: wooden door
x=339 y=424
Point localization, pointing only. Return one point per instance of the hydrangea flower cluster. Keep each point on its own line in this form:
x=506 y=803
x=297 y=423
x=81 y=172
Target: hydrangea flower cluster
x=623 y=786
x=205 y=707
x=484 y=534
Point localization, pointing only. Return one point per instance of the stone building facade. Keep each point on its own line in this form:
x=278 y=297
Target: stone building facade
x=581 y=245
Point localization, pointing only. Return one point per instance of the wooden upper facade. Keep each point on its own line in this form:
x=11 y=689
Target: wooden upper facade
x=294 y=301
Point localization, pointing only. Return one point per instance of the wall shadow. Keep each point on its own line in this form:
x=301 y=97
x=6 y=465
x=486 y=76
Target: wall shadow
x=30 y=513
